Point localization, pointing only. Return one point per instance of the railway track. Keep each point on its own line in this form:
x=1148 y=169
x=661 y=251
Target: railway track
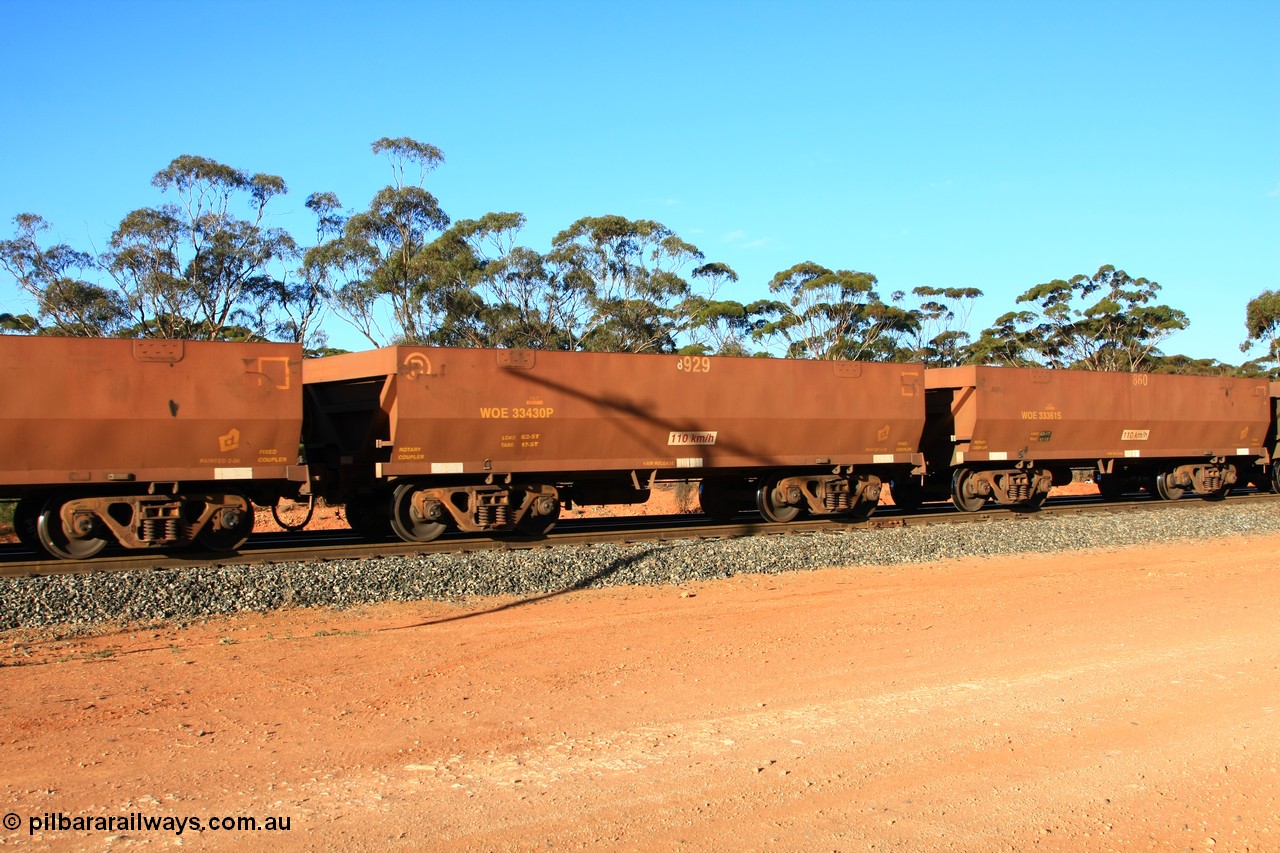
x=329 y=545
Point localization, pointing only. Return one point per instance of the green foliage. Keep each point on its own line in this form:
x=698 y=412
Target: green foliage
x=720 y=326
x=1009 y=342
x=1184 y=366
x=20 y=323
x=203 y=266
x=327 y=210
x=530 y=303
x=404 y=152
x=1107 y=321
x=1255 y=369
x=834 y=315
x=628 y=276
x=198 y=268
x=67 y=304
x=1262 y=324
x=376 y=266
x=322 y=351
x=939 y=339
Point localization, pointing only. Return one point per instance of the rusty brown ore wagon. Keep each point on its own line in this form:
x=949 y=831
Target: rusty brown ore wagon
x=415 y=440
x=149 y=443
x=1009 y=434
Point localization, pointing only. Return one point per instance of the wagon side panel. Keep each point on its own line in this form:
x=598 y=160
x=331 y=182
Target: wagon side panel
x=93 y=411
x=1007 y=414
x=453 y=412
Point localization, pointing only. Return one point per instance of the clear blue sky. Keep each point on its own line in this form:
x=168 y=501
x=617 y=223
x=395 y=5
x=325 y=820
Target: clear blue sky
x=993 y=145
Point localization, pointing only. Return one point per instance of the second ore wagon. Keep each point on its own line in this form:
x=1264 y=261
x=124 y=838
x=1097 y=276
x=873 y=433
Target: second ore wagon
x=415 y=440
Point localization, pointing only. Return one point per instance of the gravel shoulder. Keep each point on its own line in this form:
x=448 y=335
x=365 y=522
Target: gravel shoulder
x=1097 y=687
x=84 y=602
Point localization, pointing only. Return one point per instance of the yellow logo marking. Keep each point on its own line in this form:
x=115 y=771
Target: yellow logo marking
x=230 y=441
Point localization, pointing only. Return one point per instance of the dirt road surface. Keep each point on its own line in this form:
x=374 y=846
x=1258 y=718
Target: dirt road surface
x=1121 y=700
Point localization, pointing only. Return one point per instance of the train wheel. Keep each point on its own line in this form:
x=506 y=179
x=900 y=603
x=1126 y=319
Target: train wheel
x=538 y=525
x=770 y=507
x=292 y=515
x=234 y=524
x=25 y=517
x=53 y=538
x=405 y=520
x=962 y=492
x=717 y=500
x=907 y=494
x=1166 y=489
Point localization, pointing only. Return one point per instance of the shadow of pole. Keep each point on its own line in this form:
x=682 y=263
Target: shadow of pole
x=580 y=584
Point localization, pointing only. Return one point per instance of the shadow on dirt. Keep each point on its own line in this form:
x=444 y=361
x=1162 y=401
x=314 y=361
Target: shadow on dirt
x=582 y=583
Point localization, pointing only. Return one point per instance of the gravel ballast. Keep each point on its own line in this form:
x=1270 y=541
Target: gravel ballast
x=177 y=594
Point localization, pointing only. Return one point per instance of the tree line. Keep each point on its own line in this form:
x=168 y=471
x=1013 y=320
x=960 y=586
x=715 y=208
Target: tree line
x=207 y=264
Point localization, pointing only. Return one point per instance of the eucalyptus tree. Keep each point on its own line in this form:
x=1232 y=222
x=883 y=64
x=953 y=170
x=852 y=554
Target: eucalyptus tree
x=381 y=279
x=488 y=289
x=295 y=300
x=530 y=300
x=941 y=339
x=199 y=266
x=1105 y=321
x=834 y=314
x=21 y=323
x=67 y=303
x=1262 y=324
x=485 y=291
x=1009 y=342
x=530 y=307
x=630 y=275
x=720 y=326
x=1186 y=366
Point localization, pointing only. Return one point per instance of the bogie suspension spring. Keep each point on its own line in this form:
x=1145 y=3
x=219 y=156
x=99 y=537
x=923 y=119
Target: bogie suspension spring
x=1019 y=489
x=493 y=510
x=161 y=530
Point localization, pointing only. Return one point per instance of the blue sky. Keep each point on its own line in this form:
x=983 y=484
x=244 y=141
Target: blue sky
x=979 y=144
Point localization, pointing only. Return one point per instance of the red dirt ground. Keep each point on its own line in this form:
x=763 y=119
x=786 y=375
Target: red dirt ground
x=1106 y=700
